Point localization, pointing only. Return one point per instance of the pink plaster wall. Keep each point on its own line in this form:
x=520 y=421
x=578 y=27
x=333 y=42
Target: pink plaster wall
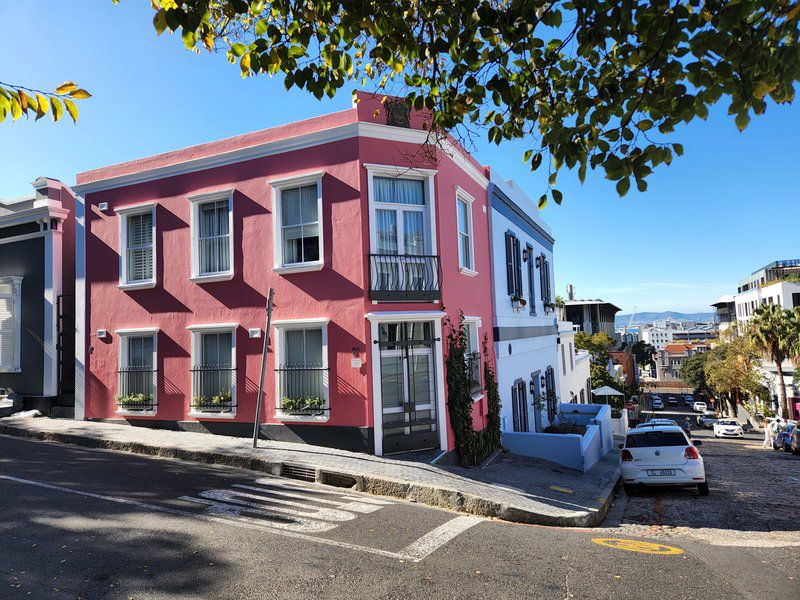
x=339 y=291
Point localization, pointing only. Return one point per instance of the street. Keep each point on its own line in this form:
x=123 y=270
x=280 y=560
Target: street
x=98 y=524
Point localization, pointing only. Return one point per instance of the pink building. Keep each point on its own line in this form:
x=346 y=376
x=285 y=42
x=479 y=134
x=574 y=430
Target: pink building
x=365 y=238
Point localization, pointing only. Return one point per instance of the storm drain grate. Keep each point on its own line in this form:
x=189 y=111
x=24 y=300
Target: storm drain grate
x=298 y=472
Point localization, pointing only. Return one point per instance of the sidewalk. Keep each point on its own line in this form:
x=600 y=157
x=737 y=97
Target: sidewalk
x=514 y=489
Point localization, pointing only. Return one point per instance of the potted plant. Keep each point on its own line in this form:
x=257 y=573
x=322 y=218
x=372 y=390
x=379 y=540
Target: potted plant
x=133 y=401
x=302 y=405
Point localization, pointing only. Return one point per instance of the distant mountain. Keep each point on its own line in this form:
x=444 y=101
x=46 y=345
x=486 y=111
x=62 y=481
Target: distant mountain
x=648 y=317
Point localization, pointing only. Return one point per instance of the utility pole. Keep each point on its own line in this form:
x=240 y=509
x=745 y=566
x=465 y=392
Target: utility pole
x=257 y=420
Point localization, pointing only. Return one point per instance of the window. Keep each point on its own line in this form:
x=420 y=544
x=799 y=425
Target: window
x=544 y=278
x=583 y=398
x=531 y=278
x=214 y=370
x=466 y=251
x=571 y=357
x=796 y=299
x=10 y=324
x=519 y=406
x=137 y=232
x=301 y=369
x=550 y=391
x=137 y=387
x=400 y=216
x=513 y=266
x=212 y=238
x=473 y=356
x=298 y=224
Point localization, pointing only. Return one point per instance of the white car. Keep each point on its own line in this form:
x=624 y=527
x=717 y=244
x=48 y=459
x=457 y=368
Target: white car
x=699 y=407
x=661 y=455
x=658 y=403
x=653 y=422
x=728 y=428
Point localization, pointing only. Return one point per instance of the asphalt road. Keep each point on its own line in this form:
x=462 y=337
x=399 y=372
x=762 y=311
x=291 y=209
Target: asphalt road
x=81 y=523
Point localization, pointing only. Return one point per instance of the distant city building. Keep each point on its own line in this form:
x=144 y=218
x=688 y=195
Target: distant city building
x=657 y=337
x=672 y=357
x=591 y=316
x=725 y=312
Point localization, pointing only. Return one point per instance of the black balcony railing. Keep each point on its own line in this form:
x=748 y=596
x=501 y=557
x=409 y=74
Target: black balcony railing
x=213 y=388
x=475 y=371
x=301 y=389
x=137 y=386
x=404 y=277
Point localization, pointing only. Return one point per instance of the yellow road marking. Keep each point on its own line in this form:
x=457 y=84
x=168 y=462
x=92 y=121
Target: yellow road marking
x=637 y=546
x=558 y=488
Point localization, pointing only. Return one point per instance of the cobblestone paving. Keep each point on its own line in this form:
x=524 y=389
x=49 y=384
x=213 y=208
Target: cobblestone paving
x=754 y=499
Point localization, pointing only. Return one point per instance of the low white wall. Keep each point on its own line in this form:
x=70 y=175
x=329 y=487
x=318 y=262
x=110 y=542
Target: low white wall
x=591 y=447
x=620 y=426
x=561 y=448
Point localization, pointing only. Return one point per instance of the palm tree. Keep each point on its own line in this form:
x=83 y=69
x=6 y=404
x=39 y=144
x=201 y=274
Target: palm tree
x=771 y=332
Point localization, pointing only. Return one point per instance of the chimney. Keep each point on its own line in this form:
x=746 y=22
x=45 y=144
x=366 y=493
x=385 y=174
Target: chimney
x=570 y=292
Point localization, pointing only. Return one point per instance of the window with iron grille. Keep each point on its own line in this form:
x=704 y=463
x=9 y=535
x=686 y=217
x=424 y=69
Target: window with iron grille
x=214 y=371
x=302 y=371
x=137 y=372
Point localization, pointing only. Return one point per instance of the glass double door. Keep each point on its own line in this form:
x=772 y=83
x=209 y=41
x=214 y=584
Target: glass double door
x=408 y=386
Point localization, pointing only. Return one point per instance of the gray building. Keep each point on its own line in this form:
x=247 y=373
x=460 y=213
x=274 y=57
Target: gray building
x=591 y=316
x=37 y=285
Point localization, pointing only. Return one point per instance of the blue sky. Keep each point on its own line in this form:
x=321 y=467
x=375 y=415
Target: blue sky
x=727 y=207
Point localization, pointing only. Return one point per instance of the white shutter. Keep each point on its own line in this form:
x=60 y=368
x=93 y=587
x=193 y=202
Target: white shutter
x=7 y=333
x=140 y=247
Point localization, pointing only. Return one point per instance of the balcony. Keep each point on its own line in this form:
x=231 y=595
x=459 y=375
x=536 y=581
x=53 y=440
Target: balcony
x=404 y=278
x=213 y=389
x=137 y=387
x=475 y=371
x=301 y=390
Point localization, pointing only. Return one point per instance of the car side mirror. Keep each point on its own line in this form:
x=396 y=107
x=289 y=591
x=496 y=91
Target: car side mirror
x=698 y=443
x=621 y=446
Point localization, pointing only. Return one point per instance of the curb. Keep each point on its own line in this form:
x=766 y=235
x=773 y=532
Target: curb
x=439 y=497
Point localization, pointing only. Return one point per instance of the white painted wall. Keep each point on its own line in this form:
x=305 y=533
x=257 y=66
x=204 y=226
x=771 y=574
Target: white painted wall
x=572 y=374
x=779 y=293
x=658 y=337
x=520 y=358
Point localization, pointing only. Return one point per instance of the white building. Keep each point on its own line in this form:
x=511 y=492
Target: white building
x=524 y=311
x=657 y=337
x=574 y=384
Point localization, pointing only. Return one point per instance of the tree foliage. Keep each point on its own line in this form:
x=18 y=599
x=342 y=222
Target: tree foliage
x=589 y=84
x=775 y=332
x=644 y=353
x=730 y=367
x=693 y=373
x=16 y=101
x=598 y=344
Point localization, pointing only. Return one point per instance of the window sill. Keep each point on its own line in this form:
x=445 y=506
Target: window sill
x=10 y=370
x=211 y=278
x=212 y=415
x=300 y=268
x=468 y=272
x=302 y=418
x=477 y=396
x=138 y=285
x=136 y=413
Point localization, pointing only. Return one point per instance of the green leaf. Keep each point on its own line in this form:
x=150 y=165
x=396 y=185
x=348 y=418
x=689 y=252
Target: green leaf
x=623 y=185
x=644 y=125
x=56 y=108
x=261 y=27
x=238 y=49
x=80 y=94
x=66 y=88
x=542 y=201
x=742 y=120
x=557 y=196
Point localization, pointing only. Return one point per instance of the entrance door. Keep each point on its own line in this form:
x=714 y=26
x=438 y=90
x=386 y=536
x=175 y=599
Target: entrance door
x=408 y=386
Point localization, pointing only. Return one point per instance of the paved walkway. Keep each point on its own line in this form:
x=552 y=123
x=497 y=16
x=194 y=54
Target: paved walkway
x=514 y=489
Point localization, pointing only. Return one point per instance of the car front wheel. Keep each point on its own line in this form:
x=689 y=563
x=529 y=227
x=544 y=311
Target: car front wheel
x=702 y=488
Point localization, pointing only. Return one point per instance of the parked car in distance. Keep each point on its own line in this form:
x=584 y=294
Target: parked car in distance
x=654 y=422
x=672 y=400
x=661 y=455
x=688 y=400
x=658 y=404
x=707 y=420
x=728 y=428
x=783 y=440
x=794 y=441
x=699 y=407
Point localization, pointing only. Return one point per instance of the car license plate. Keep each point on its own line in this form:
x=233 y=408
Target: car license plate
x=661 y=472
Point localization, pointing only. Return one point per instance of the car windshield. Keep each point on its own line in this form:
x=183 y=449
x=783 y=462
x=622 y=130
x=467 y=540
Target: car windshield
x=727 y=423
x=652 y=439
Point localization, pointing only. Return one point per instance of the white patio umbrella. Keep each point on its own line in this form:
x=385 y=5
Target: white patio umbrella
x=606 y=391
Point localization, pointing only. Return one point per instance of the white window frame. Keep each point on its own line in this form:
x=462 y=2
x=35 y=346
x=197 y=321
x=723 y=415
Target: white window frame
x=196 y=201
x=281 y=327
x=197 y=331
x=277 y=223
x=429 y=210
x=122 y=352
x=16 y=308
x=463 y=196
x=473 y=325
x=125 y=212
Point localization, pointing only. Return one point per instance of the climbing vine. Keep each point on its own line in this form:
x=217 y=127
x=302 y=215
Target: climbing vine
x=473 y=446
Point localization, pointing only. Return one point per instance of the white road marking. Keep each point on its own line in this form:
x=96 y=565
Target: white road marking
x=435 y=539
x=414 y=552
x=278 y=496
